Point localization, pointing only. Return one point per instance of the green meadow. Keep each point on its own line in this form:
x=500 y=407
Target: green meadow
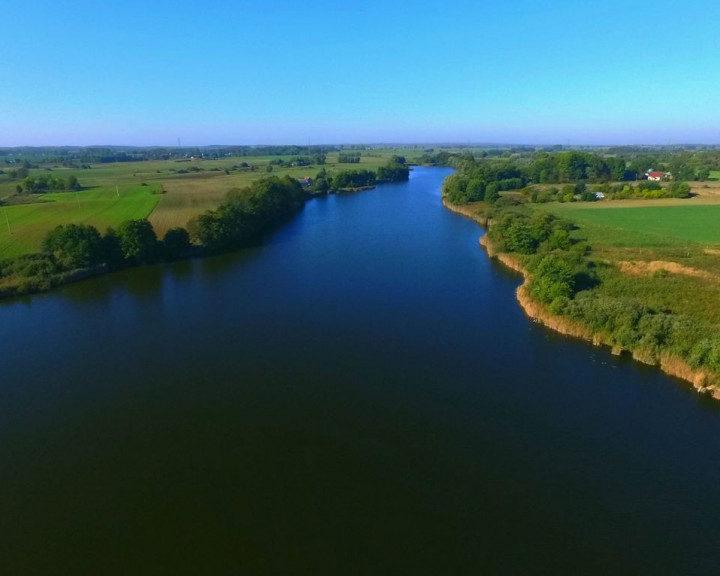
x=648 y=225
x=23 y=226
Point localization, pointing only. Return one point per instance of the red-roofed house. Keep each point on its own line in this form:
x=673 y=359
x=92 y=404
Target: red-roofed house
x=657 y=176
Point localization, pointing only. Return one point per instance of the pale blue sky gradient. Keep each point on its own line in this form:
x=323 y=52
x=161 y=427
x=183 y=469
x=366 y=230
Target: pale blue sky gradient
x=552 y=72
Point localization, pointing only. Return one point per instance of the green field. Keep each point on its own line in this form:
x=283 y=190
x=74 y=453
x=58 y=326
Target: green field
x=23 y=227
x=203 y=185
x=686 y=235
x=650 y=225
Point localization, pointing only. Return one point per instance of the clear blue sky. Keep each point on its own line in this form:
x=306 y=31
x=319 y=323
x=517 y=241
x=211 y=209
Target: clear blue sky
x=552 y=71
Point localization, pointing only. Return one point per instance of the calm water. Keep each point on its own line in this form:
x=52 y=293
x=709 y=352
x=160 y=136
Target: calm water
x=359 y=395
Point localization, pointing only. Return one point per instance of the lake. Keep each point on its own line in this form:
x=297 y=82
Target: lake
x=358 y=394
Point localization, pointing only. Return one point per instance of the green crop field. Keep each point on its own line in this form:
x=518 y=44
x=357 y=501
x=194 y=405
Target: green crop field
x=23 y=227
x=649 y=225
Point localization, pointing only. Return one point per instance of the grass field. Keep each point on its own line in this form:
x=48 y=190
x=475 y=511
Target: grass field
x=184 y=196
x=23 y=227
x=649 y=225
x=682 y=237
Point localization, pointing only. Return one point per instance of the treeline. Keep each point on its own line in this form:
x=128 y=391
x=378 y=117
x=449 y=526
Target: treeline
x=644 y=189
x=278 y=150
x=574 y=166
x=348 y=158
x=348 y=179
x=73 y=156
x=475 y=182
x=75 y=251
x=584 y=175
x=301 y=160
x=246 y=212
x=432 y=158
x=395 y=171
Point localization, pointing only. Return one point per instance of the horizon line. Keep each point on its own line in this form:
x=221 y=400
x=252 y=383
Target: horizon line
x=372 y=144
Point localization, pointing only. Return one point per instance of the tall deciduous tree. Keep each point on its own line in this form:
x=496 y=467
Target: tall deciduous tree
x=138 y=241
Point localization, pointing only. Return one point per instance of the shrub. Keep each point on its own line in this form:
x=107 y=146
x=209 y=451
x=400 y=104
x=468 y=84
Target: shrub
x=553 y=278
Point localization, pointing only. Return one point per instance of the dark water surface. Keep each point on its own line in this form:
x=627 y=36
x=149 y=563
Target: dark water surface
x=359 y=395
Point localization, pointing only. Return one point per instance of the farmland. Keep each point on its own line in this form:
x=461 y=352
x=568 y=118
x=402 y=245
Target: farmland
x=25 y=225
x=167 y=192
x=640 y=224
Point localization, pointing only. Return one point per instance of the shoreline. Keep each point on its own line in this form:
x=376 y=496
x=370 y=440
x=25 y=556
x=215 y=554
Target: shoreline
x=668 y=363
x=19 y=288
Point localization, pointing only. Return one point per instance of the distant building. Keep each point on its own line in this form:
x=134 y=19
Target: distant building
x=657 y=176
x=599 y=195
x=305 y=182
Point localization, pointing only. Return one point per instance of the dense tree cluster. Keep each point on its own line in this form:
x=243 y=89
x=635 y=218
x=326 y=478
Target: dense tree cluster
x=350 y=179
x=246 y=212
x=432 y=158
x=574 y=166
x=348 y=158
x=134 y=242
x=482 y=181
x=75 y=251
x=18 y=173
x=579 y=175
x=396 y=170
x=75 y=246
x=48 y=183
